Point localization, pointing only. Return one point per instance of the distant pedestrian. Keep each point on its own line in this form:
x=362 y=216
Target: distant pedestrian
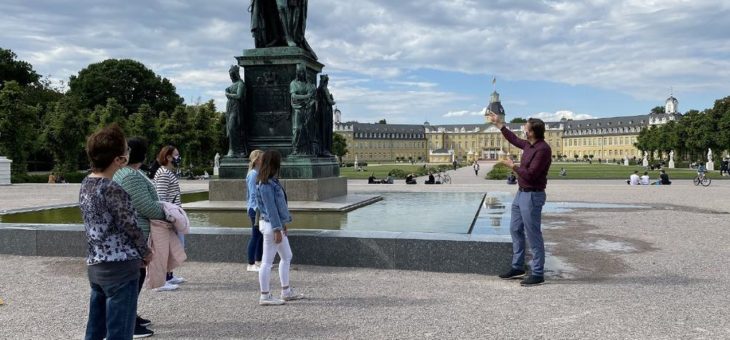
x=476 y=168
x=116 y=245
x=454 y=163
x=272 y=203
x=529 y=200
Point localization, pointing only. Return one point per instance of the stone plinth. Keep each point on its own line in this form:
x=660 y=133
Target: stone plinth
x=317 y=189
x=5 y=170
x=710 y=166
x=671 y=164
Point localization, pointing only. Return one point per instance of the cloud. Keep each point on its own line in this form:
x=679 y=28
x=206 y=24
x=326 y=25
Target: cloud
x=463 y=113
x=558 y=115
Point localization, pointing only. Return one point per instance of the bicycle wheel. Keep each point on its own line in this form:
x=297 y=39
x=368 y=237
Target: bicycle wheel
x=697 y=181
x=706 y=181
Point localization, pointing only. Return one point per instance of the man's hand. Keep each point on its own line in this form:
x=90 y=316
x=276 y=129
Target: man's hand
x=494 y=118
x=508 y=162
x=277 y=236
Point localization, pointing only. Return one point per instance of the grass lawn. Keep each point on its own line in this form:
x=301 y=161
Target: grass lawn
x=380 y=171
x=614 y=171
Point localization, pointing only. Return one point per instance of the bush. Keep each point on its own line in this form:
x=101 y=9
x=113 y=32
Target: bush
x=398 y=173
x=499 y=171
x=26 y=178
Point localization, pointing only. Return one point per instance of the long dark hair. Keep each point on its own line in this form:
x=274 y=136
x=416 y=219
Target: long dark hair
x=270 y=164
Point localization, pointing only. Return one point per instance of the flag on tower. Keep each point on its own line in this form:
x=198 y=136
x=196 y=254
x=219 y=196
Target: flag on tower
x=494 y=80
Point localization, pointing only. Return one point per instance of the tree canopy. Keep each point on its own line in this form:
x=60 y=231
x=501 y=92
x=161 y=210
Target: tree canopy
x=16 y=70
x=128 y=82
x=518 y=120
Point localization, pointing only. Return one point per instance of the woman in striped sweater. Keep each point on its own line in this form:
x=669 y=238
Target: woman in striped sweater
x=144 y=200
x=168 y=188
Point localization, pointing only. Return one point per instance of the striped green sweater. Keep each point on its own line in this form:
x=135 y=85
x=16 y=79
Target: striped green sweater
x=144 y=196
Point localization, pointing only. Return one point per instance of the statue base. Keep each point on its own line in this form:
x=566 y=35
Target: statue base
x=710 y=166
x=671 y=164
x=318 y=189
x=5 y=170
x=292 y=167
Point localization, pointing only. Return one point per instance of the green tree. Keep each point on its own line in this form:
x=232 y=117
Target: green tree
x=12 y=69
x=65 y=133
x=722 y=111
x=382 y=121
x=339 y=146
x=112 y=112
x=201 y=144
x=17 y=122
x=143 y=123
x=174 y=130
x=658 y=109
x=128 y=81
x=518 y=120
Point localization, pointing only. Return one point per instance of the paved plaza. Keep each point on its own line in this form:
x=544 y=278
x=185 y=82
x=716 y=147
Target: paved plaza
x=652 y=270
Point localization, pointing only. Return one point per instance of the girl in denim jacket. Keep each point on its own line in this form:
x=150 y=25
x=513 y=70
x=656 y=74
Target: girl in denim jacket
x=272 y=203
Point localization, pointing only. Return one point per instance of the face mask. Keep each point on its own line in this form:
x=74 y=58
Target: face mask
x=176 y=160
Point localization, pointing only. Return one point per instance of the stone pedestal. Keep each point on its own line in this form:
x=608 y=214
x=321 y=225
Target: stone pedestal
x=317 y=189
x=5 y=170
x=216 y=171
x=626 y=162
x=645 y=163
x=710 y=166
x=671 y=164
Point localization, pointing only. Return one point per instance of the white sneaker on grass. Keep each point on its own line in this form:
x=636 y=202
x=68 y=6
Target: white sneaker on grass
x=290 y=294
x=252 y=268
x=270 y=300
x=167 y=287
x=176 y=280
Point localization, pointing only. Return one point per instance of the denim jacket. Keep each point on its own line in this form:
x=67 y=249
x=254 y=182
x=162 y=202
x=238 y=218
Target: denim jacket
x=272 y=203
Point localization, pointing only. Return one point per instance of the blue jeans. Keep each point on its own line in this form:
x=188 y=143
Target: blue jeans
x=112 y=311
x=525 y=221
x=256 y=242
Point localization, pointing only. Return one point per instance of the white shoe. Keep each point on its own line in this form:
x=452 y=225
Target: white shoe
x=252 y=268
x=176 y=280
x=270 y=300
x=167 y=287
x=290 y=294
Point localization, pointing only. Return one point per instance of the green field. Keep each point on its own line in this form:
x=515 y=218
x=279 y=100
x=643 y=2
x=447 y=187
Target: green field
x=614 y=171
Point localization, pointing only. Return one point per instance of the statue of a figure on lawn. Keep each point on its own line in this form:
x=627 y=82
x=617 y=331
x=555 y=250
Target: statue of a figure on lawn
x=279 y=23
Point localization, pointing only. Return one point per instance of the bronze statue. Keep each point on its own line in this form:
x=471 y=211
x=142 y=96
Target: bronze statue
x=302 y=102
x=279 y=23
x=236 y=94
x=325 y=101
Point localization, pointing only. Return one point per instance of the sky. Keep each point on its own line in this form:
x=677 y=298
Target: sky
x=410 y=61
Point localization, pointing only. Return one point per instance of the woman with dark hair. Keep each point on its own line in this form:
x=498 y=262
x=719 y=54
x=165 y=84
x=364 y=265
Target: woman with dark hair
x=272 y=204
x=144 y=199
x=116 y=245
x=168 y=189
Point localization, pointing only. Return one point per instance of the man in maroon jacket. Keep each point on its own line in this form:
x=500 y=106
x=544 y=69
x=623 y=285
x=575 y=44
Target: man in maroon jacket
x=527 y=205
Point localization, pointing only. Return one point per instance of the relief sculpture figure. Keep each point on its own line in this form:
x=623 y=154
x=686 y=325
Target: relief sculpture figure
x=234 y=114
x=325 y=101
x=303 y=103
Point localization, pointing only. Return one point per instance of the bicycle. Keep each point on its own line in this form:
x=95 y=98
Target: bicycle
x=702 y=179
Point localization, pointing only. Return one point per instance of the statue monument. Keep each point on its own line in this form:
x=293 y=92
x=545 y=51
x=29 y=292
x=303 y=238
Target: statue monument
x=216 y=164
x=645 y=161
x=277 y=105
x=710 y=166
x=626 y=160
x=671 y=159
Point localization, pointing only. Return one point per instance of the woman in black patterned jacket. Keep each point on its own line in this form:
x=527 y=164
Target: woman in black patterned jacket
x=117 y=248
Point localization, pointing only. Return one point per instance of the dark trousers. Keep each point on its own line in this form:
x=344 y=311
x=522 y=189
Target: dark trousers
x=256 y=242
x=112 y=311
x=525 y=229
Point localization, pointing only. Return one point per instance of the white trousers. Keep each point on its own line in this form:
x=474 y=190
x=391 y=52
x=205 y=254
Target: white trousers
x=267 y=258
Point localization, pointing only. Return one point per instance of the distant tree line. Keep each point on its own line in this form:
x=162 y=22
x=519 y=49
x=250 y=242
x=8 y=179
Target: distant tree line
x=44 y=127
x=691 y=135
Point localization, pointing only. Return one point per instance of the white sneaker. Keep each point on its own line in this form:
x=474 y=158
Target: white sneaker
x=167 y=287
x=290 y=294
x=252 y=268
x=176 y=280
x=270 y=300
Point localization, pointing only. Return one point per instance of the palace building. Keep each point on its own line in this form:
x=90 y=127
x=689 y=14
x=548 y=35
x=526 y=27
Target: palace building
x=605 y=138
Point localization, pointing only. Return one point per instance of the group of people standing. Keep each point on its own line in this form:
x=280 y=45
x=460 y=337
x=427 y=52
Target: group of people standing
x=121 y=207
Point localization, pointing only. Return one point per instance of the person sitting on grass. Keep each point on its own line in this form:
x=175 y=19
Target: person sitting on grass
x=431 y=179
x=511 y=179
x=563 y=172
x=634 y=178
x=411 y=179
x=645 y=178
x=371 y=179
x=663 y=178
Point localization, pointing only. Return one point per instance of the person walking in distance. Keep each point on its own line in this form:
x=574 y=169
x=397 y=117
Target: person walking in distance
x=527 y=206
x=272 y=203
x=476 y=168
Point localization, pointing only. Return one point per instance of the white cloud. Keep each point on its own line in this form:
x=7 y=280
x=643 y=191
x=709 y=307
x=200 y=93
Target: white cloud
x=463 y=113
x=558 y=115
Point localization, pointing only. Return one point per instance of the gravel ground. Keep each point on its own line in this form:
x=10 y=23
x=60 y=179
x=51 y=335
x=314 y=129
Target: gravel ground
x=650 y=272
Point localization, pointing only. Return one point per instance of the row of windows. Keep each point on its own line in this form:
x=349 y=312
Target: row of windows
x=389 y=145
x=388 y=135
x=632 y=129
x=625 y=140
